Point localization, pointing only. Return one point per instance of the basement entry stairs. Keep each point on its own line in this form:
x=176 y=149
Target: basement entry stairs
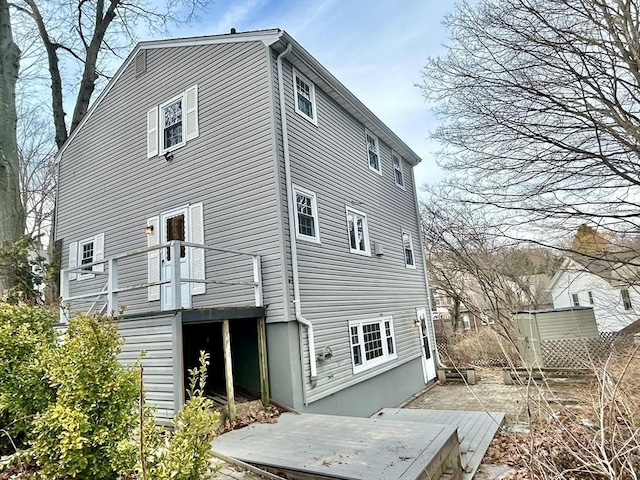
x=401 y=444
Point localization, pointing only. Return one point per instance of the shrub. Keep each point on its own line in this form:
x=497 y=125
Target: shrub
x=25 y=270
x=26 y=337
x=85 y=433
x=185 y=453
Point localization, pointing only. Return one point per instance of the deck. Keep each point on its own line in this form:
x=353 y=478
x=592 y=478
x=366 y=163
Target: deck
x=324 y=446
x=475 y=430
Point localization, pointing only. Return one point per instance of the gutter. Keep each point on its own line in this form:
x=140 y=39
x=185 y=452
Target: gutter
x=292 y=228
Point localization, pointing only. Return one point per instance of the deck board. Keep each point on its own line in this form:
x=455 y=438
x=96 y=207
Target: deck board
x=475 y=429
x=340 y=447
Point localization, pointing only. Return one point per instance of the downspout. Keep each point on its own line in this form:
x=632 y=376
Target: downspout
x=424 y=266
x=292 y=228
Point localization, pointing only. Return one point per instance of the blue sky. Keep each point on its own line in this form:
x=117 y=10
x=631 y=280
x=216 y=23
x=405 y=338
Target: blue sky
x=376 y=48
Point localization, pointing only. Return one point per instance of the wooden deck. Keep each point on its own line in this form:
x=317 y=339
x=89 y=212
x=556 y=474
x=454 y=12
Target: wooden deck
x=323 y=446
x=475 y=429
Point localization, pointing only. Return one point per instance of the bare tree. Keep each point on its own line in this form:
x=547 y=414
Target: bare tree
x=469 y=259
x=538 y=102
x=11 y=214
x=91 y=35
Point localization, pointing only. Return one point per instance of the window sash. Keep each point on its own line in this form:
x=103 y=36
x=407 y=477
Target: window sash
x=305 y=97
x=87 y=253
x=407 y=245
x=373 y=151
x=306 y=217
x=372 y=343
x=171 y=116
x=397 y=170
x=358 y=231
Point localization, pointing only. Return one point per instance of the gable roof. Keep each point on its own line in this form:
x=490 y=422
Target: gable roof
x=299 y=57
x=618 y=268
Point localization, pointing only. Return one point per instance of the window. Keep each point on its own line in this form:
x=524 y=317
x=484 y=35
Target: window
x=306 y=215
x=83 y=253
x=173 y=123
x=575 y=300
x=372 y=343
x=373 y=152
x=358 y=232
x=590 y=297
x=305 y=97
x=626 y=299
x=397 y=170
x=465 y=321
x=407 y=245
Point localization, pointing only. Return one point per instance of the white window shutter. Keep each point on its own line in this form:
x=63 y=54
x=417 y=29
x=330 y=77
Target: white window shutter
x=191 y=112
x=196 y=214
x=153 y=259
x=152 y=132
x=98 y=252
x=73 y=259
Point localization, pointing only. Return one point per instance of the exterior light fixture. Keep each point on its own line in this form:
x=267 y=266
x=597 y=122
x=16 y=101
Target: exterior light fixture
x=148 y=229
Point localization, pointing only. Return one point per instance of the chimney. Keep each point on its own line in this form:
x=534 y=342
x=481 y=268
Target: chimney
x=233 y=31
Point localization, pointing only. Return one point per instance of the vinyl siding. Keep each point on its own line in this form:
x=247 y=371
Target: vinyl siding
x=337 y=286
x=107 y=184
x=155 y=336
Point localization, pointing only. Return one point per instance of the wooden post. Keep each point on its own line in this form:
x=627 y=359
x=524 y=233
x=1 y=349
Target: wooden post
x=262 y=362
x=228 y=369
x=176 y=274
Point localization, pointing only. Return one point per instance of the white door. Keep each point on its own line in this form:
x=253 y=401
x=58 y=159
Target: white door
x=174 y=226
x=428 y=356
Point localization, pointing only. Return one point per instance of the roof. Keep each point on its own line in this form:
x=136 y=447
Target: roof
x=299 y=57
x=616 y=268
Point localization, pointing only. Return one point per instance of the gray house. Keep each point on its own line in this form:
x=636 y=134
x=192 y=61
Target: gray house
x=230 y=186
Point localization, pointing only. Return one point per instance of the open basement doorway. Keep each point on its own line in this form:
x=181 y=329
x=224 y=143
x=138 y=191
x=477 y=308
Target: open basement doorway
x=207 y=336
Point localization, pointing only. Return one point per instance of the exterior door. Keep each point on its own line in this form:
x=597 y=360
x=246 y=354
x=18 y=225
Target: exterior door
x=174 y=226
x=428 y=357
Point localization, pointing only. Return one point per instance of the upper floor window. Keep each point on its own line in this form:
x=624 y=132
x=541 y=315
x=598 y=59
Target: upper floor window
x=372 y=343
x=373 y=152
x=173 y=123
x=358 y=232
x=306 y=215
x=590 y=297
x=305 y=97
x=575 y=300
x=626 y=299
x=407 y=245
x=397 y=170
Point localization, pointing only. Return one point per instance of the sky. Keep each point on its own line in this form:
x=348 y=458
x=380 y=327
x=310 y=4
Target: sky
x=376 y=48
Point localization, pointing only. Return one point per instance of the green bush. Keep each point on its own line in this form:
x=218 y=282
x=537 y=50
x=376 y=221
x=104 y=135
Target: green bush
x=86 y=432
x=185 y=453
x=25 y=268
x=26 y=337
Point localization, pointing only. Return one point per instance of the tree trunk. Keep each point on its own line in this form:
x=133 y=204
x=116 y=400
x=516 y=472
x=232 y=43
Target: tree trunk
x=12 y=220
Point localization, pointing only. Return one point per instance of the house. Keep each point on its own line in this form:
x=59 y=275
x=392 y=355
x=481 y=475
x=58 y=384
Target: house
x=608 y=284
x=237 y=198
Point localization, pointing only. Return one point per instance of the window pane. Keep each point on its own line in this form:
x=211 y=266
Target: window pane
x=172 y=116
x=361 y=245
x=408 y=256
x=373 y=160
x=352 y=232
x=87 y=255
x=387 y=332
x=306 y=223
x=304 y=98
x=372 y=341
x=357 y=355
x=373 y=152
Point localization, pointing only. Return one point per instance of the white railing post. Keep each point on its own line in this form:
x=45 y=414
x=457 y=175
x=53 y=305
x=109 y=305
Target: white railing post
x=112 y=286
x=257 y=279
x=64 y=294
x=176 y=284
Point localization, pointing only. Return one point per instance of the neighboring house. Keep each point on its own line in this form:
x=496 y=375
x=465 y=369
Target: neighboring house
x=245 y=143
x=609 y=285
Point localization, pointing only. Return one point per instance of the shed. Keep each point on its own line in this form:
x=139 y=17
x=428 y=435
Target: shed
x=557 y=338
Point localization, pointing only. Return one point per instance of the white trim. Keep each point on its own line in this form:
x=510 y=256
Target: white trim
x=404 y=253
x=162 y=149
x=314 y=214
x=312 y=93
x=399 y=169
x=386 y=356
x=377 y=152
x=367 y=243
